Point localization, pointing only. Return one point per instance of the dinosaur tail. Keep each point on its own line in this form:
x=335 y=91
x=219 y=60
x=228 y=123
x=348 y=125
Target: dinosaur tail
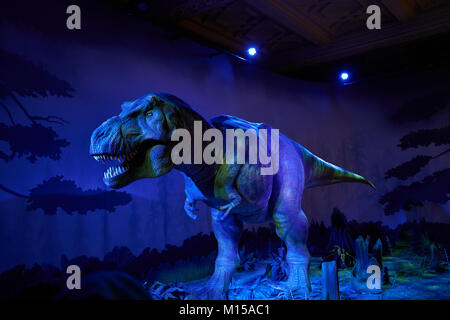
x=318 y=172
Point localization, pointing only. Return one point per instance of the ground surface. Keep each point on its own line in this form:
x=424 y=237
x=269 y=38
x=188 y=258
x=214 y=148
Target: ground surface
x=409 y=280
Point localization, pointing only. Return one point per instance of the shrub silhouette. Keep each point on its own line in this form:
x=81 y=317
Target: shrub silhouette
x=57 y=193
x=435 y=187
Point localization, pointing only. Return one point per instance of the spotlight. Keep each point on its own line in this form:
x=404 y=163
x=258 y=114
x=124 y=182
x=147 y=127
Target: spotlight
x=251 y=51
x=344 y=76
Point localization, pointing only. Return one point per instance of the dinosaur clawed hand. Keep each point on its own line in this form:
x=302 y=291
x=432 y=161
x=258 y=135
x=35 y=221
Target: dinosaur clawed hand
x=235 y=201
x=189 y=207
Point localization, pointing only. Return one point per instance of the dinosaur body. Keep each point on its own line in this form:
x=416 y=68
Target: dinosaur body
x=236 y=193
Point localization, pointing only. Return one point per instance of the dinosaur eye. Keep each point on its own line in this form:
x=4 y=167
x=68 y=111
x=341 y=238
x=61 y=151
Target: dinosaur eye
x=149 y=113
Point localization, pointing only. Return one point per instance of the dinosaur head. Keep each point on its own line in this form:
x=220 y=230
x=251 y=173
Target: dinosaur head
x=138 y=139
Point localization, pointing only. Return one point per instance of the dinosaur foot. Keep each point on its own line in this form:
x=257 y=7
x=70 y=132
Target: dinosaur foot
x=298 y=280
x=297 y=286
x=282 y=291
x=216 y=288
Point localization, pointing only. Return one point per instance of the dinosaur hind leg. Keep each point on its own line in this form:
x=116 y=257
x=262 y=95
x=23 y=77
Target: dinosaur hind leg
x=227 y=232
x=292 y=228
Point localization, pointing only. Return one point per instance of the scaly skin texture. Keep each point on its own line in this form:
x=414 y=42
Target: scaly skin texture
x=139 y=138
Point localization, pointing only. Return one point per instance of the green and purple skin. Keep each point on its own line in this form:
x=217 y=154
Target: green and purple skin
x=139 y=138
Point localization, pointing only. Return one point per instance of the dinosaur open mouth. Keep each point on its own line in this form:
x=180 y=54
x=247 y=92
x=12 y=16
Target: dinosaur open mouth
x=126 y=161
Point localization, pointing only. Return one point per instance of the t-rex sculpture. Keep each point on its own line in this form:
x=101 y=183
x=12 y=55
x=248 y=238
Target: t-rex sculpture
x=140 y=139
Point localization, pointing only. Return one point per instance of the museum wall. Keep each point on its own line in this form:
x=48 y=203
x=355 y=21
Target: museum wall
x=351 y=126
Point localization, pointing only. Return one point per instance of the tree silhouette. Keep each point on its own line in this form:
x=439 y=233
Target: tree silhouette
x=22 y=78
x=34 y=141
x=415 y=110
x=425 y=138
x=435 y=187
x=57 y=193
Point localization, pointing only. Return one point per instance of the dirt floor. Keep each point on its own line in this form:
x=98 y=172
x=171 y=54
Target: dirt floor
x=408 y=280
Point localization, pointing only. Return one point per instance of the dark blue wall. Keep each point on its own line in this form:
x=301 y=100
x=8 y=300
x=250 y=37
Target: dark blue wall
x=116 y=58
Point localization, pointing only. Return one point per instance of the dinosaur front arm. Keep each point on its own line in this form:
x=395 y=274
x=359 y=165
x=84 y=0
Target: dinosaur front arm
x=235 y=198
x=227 y=182
x=189 y=205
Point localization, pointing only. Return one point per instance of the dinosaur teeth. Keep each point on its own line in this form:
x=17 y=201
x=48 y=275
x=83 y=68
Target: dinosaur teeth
x=104 y=158
x=114 y=171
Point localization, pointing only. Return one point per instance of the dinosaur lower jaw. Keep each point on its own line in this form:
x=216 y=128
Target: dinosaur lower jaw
x=127 y=168
x=116 y=176
x=114 y=171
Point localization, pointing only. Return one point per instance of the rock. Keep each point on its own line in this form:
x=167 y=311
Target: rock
x=330 y=283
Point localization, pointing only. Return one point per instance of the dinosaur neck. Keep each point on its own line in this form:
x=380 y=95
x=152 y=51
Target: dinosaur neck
x=201 y=174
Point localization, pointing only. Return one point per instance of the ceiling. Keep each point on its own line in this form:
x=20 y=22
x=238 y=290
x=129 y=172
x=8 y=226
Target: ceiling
x=308 y=39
